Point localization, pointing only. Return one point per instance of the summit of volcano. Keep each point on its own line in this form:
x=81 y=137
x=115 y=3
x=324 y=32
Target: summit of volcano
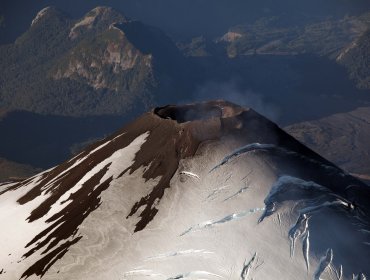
x=207 y=190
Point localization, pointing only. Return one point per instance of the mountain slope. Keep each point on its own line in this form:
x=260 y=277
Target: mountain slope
x=278 y=36
x=208 y=190
x=356 y=58
x=88 y=66
x=341 y=138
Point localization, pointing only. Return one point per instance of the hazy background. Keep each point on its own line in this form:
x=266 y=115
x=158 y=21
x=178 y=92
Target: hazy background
x=184 y=19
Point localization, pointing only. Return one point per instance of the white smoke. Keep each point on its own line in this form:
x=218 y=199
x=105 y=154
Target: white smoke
x=232 y=92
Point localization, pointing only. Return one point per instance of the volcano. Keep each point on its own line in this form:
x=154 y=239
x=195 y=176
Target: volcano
x=200 y=191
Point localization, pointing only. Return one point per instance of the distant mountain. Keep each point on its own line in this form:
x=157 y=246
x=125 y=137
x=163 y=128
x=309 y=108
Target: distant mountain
x=91 y=66
x=345 y=40
x=200 y=47
x=185 y=18
x=342 y=138
x=356 y=57
x=278 y=36
x=105 y=63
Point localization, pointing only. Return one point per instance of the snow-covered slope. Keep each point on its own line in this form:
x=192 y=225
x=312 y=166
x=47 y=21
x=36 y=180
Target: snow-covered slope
x=201 y=191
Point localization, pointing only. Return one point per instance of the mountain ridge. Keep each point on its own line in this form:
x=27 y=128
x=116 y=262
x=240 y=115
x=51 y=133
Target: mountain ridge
x=115 y=77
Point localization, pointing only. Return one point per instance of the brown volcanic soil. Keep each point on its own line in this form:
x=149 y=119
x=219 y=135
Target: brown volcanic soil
x=341 y=138
x=175 y=132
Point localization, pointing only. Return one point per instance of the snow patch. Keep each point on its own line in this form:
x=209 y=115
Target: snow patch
x=190 y=174
x=189 y=252
x=228 y=218
x=195 y=274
